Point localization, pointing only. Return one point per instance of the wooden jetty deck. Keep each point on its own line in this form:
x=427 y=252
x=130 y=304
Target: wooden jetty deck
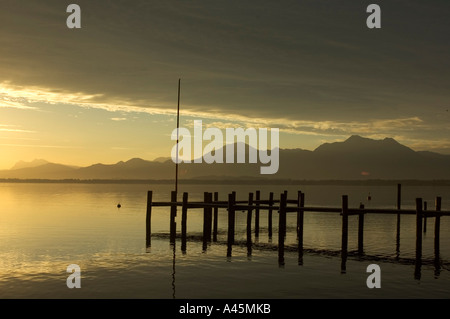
x=284 y=206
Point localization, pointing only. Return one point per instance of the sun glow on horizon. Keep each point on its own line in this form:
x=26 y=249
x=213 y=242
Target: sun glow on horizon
x=80 y=129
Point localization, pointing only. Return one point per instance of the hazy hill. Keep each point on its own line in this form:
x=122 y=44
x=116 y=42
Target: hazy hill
x=135 y=168
x=34 y=163
x=363 y=158
x=45 y=171
x=354 y=158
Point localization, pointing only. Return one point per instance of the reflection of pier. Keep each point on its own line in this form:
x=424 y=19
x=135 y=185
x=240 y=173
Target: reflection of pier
x=283 y=206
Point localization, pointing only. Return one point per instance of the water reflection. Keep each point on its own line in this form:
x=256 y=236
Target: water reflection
x=173 y=270
x=344 y=262
x=82 y=221
x=250 y=247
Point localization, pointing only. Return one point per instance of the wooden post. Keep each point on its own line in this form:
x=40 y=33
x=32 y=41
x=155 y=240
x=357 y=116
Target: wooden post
x=300 y=204
x=233 y=216
x=184 y=221
x=361 y=230
x=419 y=215
x=249 y=218
x=249 y=224
x=207 y=216
x=258 y=195
x=300 y=215
x=148 y=221
x=399 y=207
x=425 y=206
x=437 y=226
x=269 y=222
x=216 y=211
x=281 y=228
x=173 y=214
x=344 y=243
x=231 y=220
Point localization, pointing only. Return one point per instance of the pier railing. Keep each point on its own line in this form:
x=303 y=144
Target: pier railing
x=283 y=206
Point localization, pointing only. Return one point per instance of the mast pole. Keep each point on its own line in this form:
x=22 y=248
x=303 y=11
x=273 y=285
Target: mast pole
x=178 y=127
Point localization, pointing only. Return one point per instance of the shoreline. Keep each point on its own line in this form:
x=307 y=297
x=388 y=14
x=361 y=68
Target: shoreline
x=233 y=181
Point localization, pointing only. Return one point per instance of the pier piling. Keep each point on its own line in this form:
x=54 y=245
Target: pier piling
x=184 y=221
x=216 y=216
x=361 y=231
x=173 y=214
x=281 y=228
x=269 y=221
x=148 y=219
x=344 y=242
x=284 y=206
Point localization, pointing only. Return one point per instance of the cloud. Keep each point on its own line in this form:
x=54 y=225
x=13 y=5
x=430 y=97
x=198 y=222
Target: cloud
x=37 y=145
x=308 y=67
x=13 y=128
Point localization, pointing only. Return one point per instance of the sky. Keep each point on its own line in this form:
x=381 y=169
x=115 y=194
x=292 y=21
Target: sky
x=108 y=91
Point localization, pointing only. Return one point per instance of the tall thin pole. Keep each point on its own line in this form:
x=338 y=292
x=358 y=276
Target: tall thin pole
x=178 y=128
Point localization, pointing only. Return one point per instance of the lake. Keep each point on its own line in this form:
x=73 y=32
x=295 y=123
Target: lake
x=45 y=227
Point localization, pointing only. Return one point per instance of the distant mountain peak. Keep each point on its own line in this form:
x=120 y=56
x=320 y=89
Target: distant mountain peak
x=162 y=159
x=359 y=143
x=356 y=138
x=390 y=140
x=33 y=163
x=135 y=160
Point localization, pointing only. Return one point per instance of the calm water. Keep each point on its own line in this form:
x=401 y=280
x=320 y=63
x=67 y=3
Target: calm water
x=46 y=227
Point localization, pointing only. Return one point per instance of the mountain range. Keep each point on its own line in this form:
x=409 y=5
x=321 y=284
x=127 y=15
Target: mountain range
x=356 y=158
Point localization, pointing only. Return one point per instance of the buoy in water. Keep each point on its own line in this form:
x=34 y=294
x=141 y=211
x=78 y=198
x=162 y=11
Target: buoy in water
x=118 y=205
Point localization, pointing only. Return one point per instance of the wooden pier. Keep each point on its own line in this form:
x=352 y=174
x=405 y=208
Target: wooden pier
x=211 y=204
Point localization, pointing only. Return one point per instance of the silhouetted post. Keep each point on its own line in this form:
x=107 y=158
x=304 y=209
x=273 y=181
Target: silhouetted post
x=231 y=218
x=173 y=214
x=269 y=222
x=344 y=243
x=399 y=207
x=437 y=226
x=281 y=228
x=258 y=195
x=216 y=211
x=148 y=220
x=419 y=216
x=249 y=222
x=361 y=230
x=300 y=204
x=210 y=218
x=207 y=215
x=300 y=213
x=205 y=221
x=425 y=207
x=184 y=221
